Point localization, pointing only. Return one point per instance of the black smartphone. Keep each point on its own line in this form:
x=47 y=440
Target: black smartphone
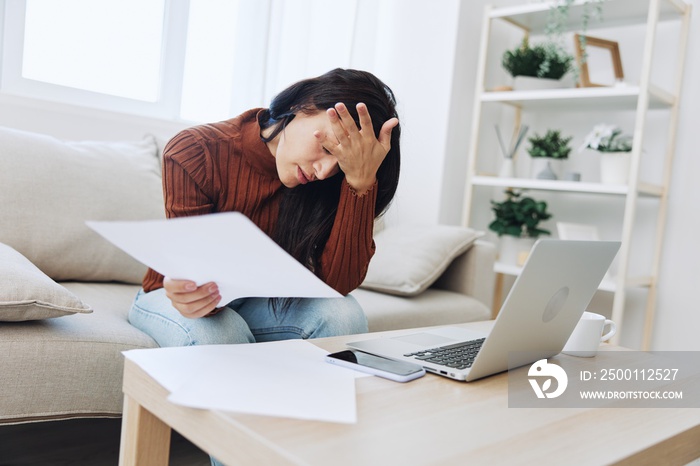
x=397 y=371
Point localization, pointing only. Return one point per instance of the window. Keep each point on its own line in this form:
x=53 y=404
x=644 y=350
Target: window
x=101 y=46
x=170 y=59
x=195 y=60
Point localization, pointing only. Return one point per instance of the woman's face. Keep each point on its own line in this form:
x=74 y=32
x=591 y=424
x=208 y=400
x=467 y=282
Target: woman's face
x=299 y=155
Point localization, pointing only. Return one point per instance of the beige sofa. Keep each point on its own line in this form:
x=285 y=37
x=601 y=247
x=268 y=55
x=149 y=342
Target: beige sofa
x=65 y=292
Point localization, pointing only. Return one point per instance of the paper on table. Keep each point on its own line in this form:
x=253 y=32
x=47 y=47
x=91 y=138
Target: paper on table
x=225 y=248
x=286 y=378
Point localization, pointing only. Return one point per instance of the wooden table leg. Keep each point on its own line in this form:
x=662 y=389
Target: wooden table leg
x=497 y=295
x=145 y=439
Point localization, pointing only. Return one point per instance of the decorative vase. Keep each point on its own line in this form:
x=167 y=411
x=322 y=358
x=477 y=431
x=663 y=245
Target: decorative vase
x=547 y=173
x=514 y=250
x=507 y=168
x=614 y=167
x=542 y=169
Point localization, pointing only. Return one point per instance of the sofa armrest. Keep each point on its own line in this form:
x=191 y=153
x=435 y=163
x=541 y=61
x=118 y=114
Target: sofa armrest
x=472 y=273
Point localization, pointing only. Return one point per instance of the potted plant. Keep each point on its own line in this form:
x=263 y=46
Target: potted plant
x=517 y=225
x=542 y=65
x=550 y=146
x=614 y=148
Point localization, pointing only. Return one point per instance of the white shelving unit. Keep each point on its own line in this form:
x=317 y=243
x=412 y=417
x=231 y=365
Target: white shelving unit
x=532 y=18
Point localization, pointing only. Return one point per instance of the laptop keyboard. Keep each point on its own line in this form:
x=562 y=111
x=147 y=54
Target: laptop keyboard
x=457 y=356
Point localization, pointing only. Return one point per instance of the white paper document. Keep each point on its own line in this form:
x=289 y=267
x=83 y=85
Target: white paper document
x=225 y=248
x=286 y=378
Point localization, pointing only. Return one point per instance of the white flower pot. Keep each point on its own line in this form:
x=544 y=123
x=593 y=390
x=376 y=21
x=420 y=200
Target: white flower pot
x=513 y=250
x=529 y=83
x=544 y=168
x=614 y=167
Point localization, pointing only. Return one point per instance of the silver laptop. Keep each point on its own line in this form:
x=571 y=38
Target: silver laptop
x=546 y=301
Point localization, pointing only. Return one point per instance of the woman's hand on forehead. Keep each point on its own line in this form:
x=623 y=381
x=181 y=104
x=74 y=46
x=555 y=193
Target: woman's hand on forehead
x=358 y=151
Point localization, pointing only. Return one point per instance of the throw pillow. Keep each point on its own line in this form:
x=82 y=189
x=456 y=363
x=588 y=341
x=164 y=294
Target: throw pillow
x=26 y=293
x=49 y=188
x=409 y=259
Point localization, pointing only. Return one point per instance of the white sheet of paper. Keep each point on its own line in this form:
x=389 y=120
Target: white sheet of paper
x=225 y=248
x=287 y=378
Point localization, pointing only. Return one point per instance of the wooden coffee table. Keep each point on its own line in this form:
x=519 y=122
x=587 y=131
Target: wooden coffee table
x=432 y=420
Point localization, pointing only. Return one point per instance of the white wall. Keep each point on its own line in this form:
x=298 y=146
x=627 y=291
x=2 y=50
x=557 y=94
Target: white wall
x=415 y=57
x=678 y=320
x=76 y=123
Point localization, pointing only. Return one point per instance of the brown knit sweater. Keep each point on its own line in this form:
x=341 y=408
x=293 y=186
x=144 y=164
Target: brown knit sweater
x=225 y=166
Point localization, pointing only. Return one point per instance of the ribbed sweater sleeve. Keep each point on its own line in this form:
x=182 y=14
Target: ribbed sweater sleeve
x=220 y=167
x=187 y=181
x=185 y=187
x=350 y=245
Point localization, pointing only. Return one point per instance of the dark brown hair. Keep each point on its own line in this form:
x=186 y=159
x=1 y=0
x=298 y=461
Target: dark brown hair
x=307 y=211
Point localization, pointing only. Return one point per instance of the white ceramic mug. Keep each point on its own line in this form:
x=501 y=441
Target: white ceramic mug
x=586 y=337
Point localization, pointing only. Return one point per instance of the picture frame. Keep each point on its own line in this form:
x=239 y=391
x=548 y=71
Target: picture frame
x=582 y=232
x=602 y=65
x=577 y=231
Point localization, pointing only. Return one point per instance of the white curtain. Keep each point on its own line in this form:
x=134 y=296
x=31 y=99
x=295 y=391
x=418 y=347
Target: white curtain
x=288 y=40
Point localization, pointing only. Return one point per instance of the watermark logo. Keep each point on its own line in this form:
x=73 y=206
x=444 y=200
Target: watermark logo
x=612 y=379
x=546 y=371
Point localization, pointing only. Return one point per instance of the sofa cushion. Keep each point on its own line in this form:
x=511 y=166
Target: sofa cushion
x=26 y=293
x=410 y=258
x=50 y=187
x=61 y=368
x=432 y=307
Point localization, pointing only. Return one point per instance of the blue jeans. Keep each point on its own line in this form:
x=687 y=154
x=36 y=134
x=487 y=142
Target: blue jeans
x=248 y=320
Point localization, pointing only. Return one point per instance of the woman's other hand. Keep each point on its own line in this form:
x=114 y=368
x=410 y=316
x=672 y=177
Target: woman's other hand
x=358 y=151
x=189 y=299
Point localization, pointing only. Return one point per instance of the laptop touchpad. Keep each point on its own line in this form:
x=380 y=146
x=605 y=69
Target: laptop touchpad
x=424 y=339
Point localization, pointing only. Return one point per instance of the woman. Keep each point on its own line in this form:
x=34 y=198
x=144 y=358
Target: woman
x=312 y=171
